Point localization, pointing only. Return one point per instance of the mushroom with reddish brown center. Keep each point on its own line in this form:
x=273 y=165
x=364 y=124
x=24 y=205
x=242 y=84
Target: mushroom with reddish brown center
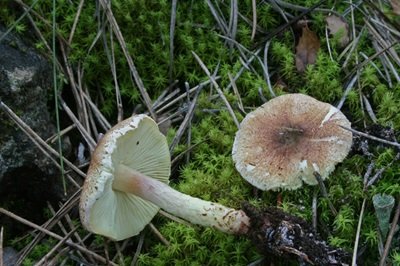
x=285 y=141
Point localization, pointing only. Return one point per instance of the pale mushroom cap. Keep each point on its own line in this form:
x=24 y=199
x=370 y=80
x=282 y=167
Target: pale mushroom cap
x=137 y=143
x=283 y=142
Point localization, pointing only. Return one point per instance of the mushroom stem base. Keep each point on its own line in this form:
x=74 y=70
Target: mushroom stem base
x=192 y=209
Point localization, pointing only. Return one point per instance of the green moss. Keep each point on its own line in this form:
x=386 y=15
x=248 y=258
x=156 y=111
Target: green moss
x=210 y=174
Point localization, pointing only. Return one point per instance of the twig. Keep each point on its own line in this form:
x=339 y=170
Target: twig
x=254 y=12
x=365 y=62
x=189 y=126
x=291 y=22
x=85 y=134
x=35 y=137
x=215 y=84
x=220 y=20
x=315 y=209
x=183 y=95
x=128 y=57
x=396 y=144
x=302 y=8
x=100 y=117
x=174 y=218
x=66 y=207
x=325 y=193
x=185 y=121
x=138 y=249
x=380 y=171
x=354 y=259
x=1 y=246
x=54 y=235
x=265 y=68
x=45 y=258
x=158 y=234
x=171 y=39
x=163 y=98
x=349 y=87
x=78 y=14
x=236 y=91
x=390 y=235
x=111 y=59
x=233 y=21
x=368 y=107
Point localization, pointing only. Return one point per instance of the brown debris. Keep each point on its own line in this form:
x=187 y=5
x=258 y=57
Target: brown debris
x=306 y=49
x=280 y=235
x=395 y=6
x=337 y=25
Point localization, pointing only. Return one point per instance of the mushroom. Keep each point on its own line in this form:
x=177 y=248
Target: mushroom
x=285 y=141
x=126 y=184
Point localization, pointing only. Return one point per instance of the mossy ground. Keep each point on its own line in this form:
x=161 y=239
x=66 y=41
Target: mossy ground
x=210 y=173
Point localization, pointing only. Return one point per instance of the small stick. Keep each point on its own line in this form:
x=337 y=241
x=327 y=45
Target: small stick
x=174 y=218
x=324 y=193
x=37 y=140
x=159 y=235
x=254 y=10
x=189 y=130
x=44 y=260
x=264 y=65
x=54 y=235
x=220 y=93
x=368 y=107
x=185 y=122
x=233 y=21
x=118 y=97
x=82 y=129
x=315 y=209
x=138 y=249
x=171 y=38
x=220 y=20
x=78 y=14
x=390 y=236
x=183 y=95
x=132 y=67
x=396 y=144
x=1 y=246
x=236 y=91
x=354 y=260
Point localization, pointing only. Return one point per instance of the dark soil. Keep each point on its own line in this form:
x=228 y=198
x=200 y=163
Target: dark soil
x=280 y=235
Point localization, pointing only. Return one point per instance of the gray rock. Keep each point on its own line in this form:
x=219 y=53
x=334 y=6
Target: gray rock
x=27 y=177
x=25 y=79
x=10 y=256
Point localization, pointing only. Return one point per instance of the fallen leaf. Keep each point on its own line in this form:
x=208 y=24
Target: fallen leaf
x=338 y=26
x=395 y=6
x=306 y=49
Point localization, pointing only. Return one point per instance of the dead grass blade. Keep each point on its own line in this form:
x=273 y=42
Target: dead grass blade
x=78 y=14
x=392 y=143
x=1 y=246
x=186 y=120
x=44 y=260
x=389 y=238
x=132 y=68
x=171 y=39
x=216 y=86
x=56 y=236
x=38 y=141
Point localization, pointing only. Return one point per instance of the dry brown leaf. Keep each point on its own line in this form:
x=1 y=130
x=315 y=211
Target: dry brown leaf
x=306 y=49
x=395 y=6
x=338 y=25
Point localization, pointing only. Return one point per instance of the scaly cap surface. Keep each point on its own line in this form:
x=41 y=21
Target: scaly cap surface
x=282 y=143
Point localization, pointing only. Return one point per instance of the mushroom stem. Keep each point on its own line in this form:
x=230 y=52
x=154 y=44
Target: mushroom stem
x=192 y=209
